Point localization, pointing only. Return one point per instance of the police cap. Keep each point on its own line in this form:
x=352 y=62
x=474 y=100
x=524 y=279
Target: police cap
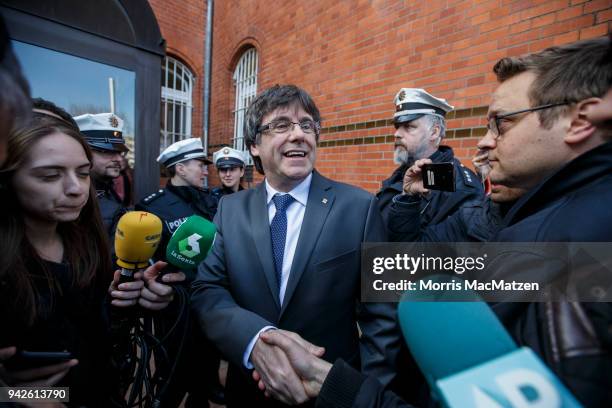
x=183 y=150
x=102 y=131
x=412 y=103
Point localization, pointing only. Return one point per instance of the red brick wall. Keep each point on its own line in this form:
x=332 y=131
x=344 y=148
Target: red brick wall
x=353 y=56
x=183 y=26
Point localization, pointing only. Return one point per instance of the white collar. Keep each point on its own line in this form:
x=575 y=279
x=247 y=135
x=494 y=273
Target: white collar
x=299 y=192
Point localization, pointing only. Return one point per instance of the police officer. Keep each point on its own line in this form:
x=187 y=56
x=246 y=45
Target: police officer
x=420 y=123
x=230 y=167
x=183 y=197
x=184 y=194
x=104 y=134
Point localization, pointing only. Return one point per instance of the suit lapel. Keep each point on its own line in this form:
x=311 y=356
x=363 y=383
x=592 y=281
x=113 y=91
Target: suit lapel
x=260 y=230
x=320 y=200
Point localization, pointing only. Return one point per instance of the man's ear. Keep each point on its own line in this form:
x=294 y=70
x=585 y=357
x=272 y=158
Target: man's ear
x=254 y=150
x=580 y=129
x=435 y=132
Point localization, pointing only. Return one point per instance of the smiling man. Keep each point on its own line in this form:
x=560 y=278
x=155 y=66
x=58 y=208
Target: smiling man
x=287 y=255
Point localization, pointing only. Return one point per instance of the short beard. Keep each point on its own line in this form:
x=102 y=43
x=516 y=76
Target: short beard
x=401 y=156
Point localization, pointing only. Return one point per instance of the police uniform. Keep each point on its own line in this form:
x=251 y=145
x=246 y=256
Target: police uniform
x=411 y=104
x=104 y=131
x=227 y=158
x=174 y=204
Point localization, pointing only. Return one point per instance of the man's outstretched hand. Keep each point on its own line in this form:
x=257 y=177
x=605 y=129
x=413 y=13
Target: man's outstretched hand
x=304 y=358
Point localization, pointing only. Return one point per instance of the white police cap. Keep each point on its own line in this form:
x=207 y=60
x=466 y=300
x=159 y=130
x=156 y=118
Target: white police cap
x=102 y=131
x=412 y=103
x=181 y=151
x=228 y=157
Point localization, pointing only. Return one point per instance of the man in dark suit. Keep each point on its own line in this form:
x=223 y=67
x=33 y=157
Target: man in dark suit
x=287 y=255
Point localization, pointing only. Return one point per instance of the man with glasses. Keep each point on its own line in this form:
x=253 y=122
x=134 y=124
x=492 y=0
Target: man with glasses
x=563 y=153
x=104 y=134
x=420 y=125
x=540 y=138
x=287 y=256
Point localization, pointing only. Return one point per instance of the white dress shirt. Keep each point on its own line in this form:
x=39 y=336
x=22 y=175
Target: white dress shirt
x=295 y=217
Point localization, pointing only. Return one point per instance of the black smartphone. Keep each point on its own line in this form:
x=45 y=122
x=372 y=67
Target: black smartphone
x=23 y=359
x=439 y=176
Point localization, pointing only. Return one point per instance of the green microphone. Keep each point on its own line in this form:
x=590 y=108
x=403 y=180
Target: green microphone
x=190 y=243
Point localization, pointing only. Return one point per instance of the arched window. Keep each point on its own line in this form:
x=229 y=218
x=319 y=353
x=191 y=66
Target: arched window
x=245 y=80
x=177 y=86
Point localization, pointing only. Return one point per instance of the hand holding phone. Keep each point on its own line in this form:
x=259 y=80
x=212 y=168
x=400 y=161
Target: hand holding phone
x=413 y=178
x=439 y=176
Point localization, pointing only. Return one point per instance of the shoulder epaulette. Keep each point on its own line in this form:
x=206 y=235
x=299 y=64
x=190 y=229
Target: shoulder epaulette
x=468 y=176
x=152 y=197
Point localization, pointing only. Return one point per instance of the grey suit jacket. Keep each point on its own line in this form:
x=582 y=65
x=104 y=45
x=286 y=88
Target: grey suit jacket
x=235 y=293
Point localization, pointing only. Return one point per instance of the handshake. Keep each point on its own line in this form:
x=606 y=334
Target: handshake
x=287 y=367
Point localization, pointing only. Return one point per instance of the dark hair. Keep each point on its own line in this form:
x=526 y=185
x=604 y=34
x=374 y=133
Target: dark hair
x=43 y=109
x=266 y=102
x=85 y=240
x=171 y=171
x=569 y=73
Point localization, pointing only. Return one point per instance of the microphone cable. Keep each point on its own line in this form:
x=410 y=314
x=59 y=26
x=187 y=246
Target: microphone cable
x=148 y=348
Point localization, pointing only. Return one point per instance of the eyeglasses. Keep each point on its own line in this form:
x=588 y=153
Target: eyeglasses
x=283 y=126
x=494 y=121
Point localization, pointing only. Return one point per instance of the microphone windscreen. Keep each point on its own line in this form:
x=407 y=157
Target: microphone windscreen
x=190 y=243
x=136 y=238
x=447 y=335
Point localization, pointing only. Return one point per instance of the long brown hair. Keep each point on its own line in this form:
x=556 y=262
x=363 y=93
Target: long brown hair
x=86 y=246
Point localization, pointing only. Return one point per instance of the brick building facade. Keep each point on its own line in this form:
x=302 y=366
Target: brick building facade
x=352 y=57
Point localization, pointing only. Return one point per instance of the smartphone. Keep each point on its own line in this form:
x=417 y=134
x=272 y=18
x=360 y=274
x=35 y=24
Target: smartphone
x=439 y=176
x=23 y=359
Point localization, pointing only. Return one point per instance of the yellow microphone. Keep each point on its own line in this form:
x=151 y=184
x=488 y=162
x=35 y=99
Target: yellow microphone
x=136 y=239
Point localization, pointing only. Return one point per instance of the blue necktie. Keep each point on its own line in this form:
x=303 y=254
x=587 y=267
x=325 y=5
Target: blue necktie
x=278 y=232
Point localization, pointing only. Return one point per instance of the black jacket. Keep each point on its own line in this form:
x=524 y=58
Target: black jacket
x=573 y=205
x=473 y=222
x=111 y=206
x=74 y=319
x=219 y=192
x=173 y=205
x=346 y=387
x=439 y=204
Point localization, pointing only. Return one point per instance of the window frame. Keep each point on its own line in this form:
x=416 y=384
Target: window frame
x=181 y=98
x=245 y=82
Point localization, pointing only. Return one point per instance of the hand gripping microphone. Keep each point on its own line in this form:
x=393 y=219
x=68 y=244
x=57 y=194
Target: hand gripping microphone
x=468 y=357
x=190 y=243
x=136 y=239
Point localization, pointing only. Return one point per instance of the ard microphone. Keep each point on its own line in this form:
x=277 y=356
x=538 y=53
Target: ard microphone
x=136 y=239
x=190 y=243
x=468 y=357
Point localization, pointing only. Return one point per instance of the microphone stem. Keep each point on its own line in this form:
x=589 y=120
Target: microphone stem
x=127 y=275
